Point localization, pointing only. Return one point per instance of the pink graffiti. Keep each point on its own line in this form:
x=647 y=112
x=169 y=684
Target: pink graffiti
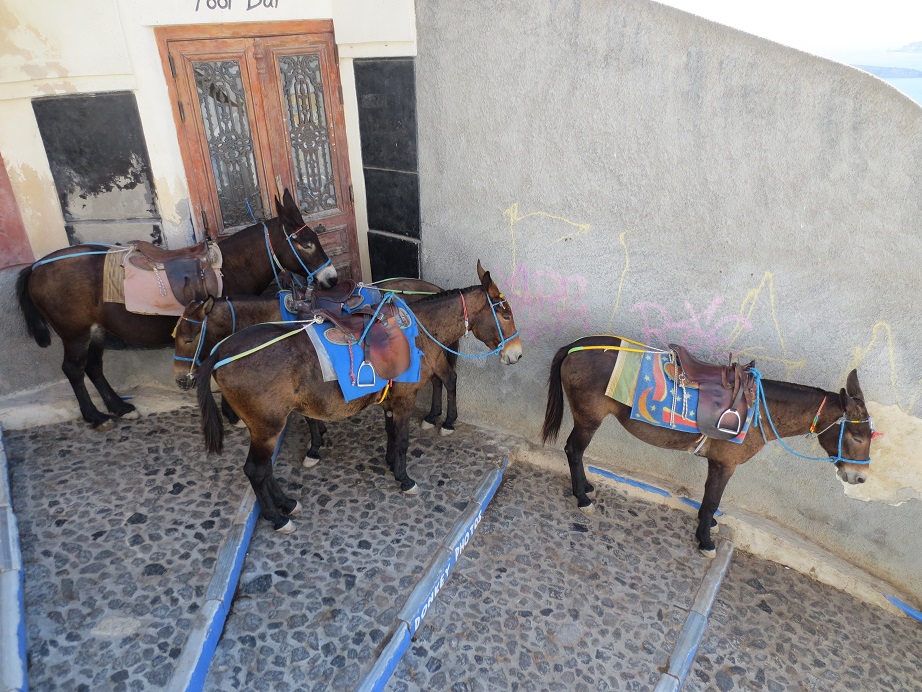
x=704 y=334
x=544 y=302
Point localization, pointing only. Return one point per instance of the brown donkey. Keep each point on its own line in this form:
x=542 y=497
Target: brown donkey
x=842 y=421
x=278 y=378
x=66 y=295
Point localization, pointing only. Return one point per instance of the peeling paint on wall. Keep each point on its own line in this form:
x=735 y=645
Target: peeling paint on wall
x=896 y=458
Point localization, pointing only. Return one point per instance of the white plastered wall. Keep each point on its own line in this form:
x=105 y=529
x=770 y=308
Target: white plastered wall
x=109 y=45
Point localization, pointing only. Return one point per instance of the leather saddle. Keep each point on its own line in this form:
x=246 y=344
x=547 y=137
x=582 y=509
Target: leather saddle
x=194 y=268
x=725 y=392
x=385 y=347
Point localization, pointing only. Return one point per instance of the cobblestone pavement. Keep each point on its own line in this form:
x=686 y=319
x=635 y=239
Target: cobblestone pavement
x=774 y=629
x=119 y=533
x=314 y=607
x=549 y=598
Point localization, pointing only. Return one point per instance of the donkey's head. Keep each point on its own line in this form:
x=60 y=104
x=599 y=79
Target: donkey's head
x=189 y=337
x=494 y=325
x=849 y=442
x=306 y=254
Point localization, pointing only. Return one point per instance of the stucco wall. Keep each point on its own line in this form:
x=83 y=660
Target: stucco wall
x=630 y=168
x=54 y=48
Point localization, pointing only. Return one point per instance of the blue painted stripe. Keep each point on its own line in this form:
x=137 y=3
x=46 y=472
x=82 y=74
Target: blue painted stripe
x=216 y=627
x=14 y=670
x=387 y=662
x=224 y=598
x=697 y=505
x=908 y=609
x=436 y=575
x=629 y=481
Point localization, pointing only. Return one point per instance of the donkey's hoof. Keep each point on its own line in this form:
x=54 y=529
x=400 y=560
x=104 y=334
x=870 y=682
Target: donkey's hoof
x=310 y=462
x=296 y=510
x=445 y=431
x=131 y=415
x=285 y=527
x=709 y=553
x=105 y=426
x=426 y=425
x=412 y=490
x=240 y=424
x=715 y=528
x=588 y=509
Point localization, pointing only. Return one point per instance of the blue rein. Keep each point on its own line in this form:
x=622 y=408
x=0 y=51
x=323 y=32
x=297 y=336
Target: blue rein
x=502 y=340
x=842 y=421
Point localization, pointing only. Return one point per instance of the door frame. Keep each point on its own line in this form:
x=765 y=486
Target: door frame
x=193 y=168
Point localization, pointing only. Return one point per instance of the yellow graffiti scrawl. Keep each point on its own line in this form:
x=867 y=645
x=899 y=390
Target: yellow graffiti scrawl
x=512 y=213
x=882 y=331
x=750 y=302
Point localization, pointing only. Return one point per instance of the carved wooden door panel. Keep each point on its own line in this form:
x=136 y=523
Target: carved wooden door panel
x=257 y=113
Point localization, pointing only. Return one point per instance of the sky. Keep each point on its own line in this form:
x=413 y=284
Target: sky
x=830 y=28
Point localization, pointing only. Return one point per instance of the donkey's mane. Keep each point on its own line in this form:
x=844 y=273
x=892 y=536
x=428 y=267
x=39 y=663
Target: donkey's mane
x=448 y=293
x=795 y=392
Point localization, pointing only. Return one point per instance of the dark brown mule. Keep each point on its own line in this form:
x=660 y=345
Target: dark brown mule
x=206 y=322
x=66 y=296
x=267 y=385
x=844 y=429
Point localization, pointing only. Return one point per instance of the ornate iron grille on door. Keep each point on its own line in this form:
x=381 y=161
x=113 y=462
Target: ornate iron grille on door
x=256 y=112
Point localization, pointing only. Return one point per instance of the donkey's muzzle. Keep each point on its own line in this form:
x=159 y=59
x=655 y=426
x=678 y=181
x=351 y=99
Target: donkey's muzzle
x=186 y=382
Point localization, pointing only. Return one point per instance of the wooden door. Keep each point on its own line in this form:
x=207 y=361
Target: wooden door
x=259 y=110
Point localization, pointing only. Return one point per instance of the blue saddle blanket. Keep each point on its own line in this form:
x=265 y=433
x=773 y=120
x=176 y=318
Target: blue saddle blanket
x=659 y=400
x=357 y=379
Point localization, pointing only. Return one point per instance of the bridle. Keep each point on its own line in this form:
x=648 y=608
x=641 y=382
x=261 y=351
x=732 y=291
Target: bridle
x=499 y=330
x=277 y=265
x=842 y=421
x=195 y=361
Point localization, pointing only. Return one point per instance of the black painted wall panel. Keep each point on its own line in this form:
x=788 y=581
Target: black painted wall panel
x=387 y=113
x=386 y=91
x=100 y=165
x=392 y=256
x=393 y=202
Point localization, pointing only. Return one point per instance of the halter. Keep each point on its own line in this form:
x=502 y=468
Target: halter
x=502 y=340
x=842 y=421
x=195 y=360
x=276 y=263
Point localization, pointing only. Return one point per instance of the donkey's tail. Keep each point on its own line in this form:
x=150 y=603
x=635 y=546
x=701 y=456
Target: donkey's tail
x=212 y=425
x=554 y=413
x=35 y=321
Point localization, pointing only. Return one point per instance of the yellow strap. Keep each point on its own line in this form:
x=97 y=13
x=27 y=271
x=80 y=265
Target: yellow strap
x=256 y=348
x=613 y=348
x=384 y=392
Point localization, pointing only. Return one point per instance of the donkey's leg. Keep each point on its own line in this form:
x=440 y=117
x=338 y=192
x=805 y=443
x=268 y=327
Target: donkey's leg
x=231 y=414
x=74 y=367
x=258 y=469
x=402 y=410
x=577 y=442
x=110 y=397
x=435 y=408
x=451 y=414
x=318 y=430
x=718 y=475
x=390 y=455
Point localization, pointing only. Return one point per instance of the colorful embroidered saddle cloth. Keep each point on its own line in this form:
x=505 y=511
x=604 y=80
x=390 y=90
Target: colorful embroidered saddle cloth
x=370 y=341
x=152 y=281
x=647 y=383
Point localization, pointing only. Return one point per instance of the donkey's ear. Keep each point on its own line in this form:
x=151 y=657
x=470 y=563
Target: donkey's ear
x=208 y=305
x=843 y=399
x=289 y=201
x=852 y=387
x=279 y=209
x=484 y=276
